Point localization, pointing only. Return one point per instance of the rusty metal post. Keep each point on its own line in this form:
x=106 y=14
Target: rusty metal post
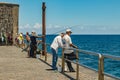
x=43 y=29
x=63 y=60
x=77 y=69
x=101 y=68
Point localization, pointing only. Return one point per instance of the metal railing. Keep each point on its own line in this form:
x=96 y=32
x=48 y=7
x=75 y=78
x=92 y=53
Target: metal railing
x=99 y=55
x=100 y=61
x=77 y=63
x=46 y=44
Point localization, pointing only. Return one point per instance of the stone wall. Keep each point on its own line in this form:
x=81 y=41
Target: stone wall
x=9 y=19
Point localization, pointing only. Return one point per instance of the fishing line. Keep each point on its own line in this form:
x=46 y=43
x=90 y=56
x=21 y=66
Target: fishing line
x=64 y=29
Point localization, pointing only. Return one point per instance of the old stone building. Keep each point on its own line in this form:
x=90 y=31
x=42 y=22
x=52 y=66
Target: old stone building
x=9 y=21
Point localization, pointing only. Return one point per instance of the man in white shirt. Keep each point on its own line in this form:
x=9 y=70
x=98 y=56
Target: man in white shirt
x=67 y=44
x=57 y=42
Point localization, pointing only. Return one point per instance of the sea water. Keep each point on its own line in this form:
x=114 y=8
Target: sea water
x=104 y=44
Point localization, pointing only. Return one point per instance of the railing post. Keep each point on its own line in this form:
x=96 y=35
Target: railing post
x=63 y=60
x=101 y=68
x=77 y=69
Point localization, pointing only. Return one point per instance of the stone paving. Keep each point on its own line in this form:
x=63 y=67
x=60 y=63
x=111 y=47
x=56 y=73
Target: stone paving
x=14 y=65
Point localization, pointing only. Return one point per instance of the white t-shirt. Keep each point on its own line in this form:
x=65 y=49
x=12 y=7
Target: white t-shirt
x=67 y=41
x=57 y=42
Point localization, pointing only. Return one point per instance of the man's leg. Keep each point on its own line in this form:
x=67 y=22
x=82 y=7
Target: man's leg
x=35 y=49
x=71 y=69
x=25 y=49
x=31 y=50
x=54 y=59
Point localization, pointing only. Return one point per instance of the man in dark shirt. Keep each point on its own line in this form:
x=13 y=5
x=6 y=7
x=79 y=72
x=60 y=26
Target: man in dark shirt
x=33 y=44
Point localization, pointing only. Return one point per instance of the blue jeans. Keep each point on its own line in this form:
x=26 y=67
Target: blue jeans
x=54 y=59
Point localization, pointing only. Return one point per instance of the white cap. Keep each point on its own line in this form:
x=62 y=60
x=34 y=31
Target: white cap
x=68 y=30
x=33 y=30
x=61 y=34
x=20 y=34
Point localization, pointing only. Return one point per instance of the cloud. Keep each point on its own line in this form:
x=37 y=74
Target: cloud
x=21 y=27
x=57 y=26
x=81 y=27
x=49 y=26
x=53 y=26
x=103 y=28
x=29 y=27
x=37 y=26
x=26 y=26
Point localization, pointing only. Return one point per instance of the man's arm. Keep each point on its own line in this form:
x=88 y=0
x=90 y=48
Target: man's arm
x=60 y=42
x=39 y=36
x=72 y=45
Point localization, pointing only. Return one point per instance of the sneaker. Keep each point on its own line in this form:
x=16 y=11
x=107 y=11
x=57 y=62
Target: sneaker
x=72 y=70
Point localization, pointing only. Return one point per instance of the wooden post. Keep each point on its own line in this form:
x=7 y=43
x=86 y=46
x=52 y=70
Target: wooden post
x=43 y=29
x=101 y=68
x=63 y=61
x=77 y=69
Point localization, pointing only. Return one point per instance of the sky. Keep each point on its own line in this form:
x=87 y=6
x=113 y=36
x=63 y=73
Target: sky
x=81 y=16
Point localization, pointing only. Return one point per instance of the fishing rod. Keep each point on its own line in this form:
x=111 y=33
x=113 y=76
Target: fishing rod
x=64 y=29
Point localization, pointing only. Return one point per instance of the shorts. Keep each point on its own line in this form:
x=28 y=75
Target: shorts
x=20 y=41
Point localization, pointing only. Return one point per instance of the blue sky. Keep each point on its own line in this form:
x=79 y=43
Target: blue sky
x=82 y=16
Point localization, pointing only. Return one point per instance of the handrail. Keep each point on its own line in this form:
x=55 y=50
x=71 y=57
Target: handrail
x=77 y=63
x=100 y=62
x=47 y=44
x=84 y=51
x=111 y=56
x=100 y=71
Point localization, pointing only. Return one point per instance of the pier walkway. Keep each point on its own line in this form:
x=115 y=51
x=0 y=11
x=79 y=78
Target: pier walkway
x=14 y=65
